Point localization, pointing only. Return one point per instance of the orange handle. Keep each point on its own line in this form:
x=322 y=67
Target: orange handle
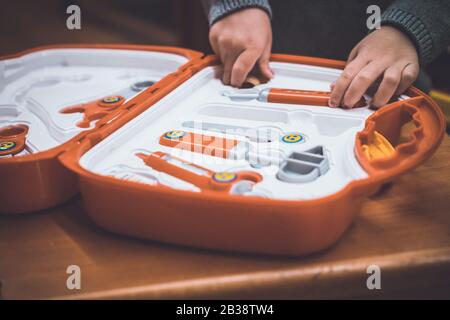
x=12 y=139
x=200 y=177
x=315 y=98
x=94 y=110
x=200 y=143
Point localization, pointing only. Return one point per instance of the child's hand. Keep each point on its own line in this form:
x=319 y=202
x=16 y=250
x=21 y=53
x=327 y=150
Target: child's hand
x=386 y=54
x=242 y=40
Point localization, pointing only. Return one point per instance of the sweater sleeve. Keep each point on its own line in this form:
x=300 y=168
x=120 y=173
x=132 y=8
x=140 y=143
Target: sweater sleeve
x=426 y=22
x=217 y=9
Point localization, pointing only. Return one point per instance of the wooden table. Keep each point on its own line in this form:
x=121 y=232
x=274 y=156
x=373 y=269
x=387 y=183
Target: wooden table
x=405 y=230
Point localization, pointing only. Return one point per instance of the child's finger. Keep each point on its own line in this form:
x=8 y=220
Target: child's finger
x=263 y=64
x=409 y=75
x=226 y=54
x=361 y=82
x=227 y=65
x=228 y=62
x=388 y=86
x=242 y=66
x=345 y=79
x=353 y=54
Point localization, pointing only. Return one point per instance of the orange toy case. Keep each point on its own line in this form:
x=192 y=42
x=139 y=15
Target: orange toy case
x=47 y=97
x=301 y=202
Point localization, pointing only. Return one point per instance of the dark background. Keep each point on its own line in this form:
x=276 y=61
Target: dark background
x=27 y=23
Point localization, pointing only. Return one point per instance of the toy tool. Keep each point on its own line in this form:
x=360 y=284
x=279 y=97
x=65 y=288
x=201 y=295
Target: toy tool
x=94 y=110
x=229 y=148
x=230 y=182
x=205 y=144
x=252 y=81
x=287 y=96
x=97 y=109
x=379 y=147
x=261 y=134
x=298 y=167
x=13 y=139
x=134 y=174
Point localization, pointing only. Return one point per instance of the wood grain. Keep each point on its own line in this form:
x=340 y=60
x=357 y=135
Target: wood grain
x=405 y=230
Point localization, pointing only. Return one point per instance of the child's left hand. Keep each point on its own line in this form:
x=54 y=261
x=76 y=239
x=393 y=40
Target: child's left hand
x=385 y=54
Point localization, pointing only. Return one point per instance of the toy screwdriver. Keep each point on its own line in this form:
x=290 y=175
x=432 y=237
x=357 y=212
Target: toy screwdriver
x=232 y=182
x=221 y=147
x=205 y=144
x=287 y=96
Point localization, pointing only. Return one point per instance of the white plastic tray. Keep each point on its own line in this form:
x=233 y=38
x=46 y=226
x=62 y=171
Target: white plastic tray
x=200 y=99
x=35 y=87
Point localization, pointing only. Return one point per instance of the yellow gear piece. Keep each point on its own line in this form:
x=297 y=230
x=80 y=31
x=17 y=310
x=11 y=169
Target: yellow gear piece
x=224 y=176
x=292 y=138
x=7 y=145
x=111 y=99
x=175 y=134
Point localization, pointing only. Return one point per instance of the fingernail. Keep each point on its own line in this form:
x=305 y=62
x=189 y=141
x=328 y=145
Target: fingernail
x=332 y=104
x=332 y=85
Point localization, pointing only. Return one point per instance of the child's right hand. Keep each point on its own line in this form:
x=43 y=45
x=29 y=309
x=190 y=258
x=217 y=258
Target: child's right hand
x=242 y=40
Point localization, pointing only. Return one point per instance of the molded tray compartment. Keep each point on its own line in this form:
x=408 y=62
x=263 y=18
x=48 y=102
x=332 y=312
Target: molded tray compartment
x=35 y=86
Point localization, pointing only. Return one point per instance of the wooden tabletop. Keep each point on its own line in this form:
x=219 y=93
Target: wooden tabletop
x=405 y=230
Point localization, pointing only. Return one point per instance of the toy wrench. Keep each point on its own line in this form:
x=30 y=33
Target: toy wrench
x=97 y=109
x=230 y=182
x=287 y=96
x=13 y=139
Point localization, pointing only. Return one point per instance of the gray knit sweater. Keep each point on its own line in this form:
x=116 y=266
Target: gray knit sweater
x=331 y=28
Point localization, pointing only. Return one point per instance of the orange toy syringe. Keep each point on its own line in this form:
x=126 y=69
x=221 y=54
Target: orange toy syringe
x=231 y=182
x=288 y=96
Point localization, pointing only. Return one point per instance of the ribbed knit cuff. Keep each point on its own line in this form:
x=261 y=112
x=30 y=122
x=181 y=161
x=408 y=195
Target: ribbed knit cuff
x=222 y=8
x=414 y=28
